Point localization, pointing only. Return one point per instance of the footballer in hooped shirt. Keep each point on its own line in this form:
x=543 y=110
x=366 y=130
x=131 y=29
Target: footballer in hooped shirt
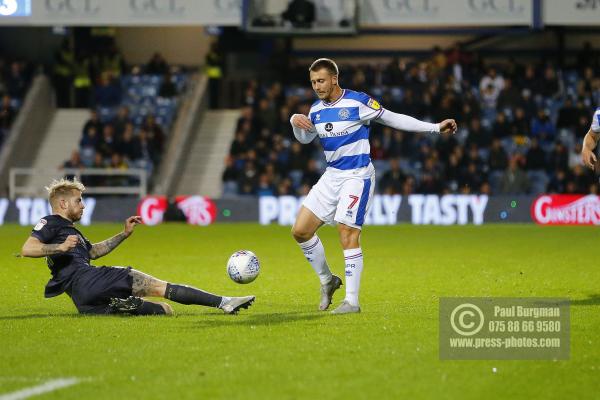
x=341 y=118
x=590 y=141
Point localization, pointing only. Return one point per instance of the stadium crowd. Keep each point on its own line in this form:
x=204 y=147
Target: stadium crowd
x=15 y=77
x=521 y=126
x=129 y=124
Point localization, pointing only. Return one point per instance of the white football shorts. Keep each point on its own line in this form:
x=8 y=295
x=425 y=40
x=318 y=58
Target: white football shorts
x=342 y=198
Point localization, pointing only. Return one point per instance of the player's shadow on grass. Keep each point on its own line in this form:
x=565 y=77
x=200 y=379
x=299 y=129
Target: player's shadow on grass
x=258 y=319
x=38 y=316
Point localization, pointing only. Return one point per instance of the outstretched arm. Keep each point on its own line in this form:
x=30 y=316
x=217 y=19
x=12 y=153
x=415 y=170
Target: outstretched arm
x=407 y=123
x=304 y=130
x=103 y=248
x=33 y=247
x=590 y=141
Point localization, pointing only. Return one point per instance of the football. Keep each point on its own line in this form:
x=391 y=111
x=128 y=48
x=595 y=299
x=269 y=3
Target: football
x=243 y=266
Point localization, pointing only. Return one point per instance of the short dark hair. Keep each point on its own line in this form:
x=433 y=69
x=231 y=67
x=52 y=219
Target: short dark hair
x=326 y=63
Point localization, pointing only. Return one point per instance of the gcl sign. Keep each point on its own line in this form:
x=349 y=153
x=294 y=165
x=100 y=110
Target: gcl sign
x=496 y=6
x=156 y=6
x=72 y=6
x=411 y=6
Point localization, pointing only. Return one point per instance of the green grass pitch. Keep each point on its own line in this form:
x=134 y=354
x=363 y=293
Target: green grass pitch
x=282 y=347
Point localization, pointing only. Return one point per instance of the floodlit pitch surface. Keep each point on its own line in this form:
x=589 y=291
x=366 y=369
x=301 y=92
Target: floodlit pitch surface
x=282 y=347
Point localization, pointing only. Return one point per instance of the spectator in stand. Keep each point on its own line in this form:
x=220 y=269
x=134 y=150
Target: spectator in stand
x=543 y=128
x=7 y=114
x=156 y=136
x=108 y=142
x=62 y=77
x=167 y=87
x=535 y=165
x=213 y=64
x=248 y=179
x=16 y=80
x=240 y=145
x=230 y=177
x=583 y=125
x=147 y=151
x=128 y=146
x=88 y=145
x=509 y=96
x=492 y=81
x=558 y=182
x=501 y=128
x=249 y=120
x=582 y=178
x=477 y=135
x=107 y=93
x=93 y=121
x=267 y=115
x=568 y=115
x=520 y=131
x=72 y=163
x=97 y=180
x=392 y=180
x=550 y=85
x=82 y=81
x=497 y=158
x=265 y=186
x=311 y=174
x=472 y=179
x=119 y=164
x=298 y=159
x=430 y=182
x=112 y=63
x=558 y=159
x=529 y=81
x=514 y=180
x=121 y=121
x=157 y=65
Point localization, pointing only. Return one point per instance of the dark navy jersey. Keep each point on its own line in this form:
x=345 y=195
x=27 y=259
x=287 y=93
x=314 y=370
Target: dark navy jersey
x=54 y=229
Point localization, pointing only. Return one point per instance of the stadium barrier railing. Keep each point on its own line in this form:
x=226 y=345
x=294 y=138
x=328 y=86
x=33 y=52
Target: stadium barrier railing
x=136 y=185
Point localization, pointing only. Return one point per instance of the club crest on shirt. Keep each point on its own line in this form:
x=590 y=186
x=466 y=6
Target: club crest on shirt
x=40 y=224
x=374 y=104
x=343 y=113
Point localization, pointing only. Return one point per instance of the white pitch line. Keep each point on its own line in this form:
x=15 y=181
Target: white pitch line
x=45 y=387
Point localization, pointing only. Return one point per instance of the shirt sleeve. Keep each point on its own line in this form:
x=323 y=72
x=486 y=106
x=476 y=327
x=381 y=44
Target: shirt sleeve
x=370 y=108
x=43 y=231
x=406 y=123
x=596 y=122
x=303 y=135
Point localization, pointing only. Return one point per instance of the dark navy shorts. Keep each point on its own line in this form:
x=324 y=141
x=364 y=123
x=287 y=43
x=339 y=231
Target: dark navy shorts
x=93 y=288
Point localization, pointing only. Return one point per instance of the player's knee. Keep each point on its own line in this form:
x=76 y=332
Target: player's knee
x=349 y=238
x=301 y=235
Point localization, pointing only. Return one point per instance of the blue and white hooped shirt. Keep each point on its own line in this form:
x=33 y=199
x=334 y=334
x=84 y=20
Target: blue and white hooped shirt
x=343 y=129
x=596 y=121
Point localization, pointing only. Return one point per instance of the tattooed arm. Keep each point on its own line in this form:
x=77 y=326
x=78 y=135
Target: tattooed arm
x=103 y=248
x=33 y=247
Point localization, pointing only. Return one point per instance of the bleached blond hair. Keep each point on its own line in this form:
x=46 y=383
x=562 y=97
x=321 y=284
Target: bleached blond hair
x=63 y=188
